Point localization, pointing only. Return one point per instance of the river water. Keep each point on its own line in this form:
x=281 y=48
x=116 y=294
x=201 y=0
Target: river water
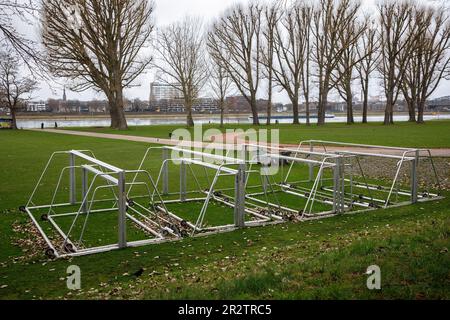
x=134 y=121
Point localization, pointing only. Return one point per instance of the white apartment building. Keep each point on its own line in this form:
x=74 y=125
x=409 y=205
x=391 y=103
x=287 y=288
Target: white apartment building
x=37 y=106
x=162 y=91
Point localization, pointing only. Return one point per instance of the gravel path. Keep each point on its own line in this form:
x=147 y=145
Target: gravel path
x=227 y=138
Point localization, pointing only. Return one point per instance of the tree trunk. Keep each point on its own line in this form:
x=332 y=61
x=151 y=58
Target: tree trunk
x=308 y=120
x=321 y=107
x=365 y=100
x=350 y=119
x=113 y=113
x=222 y=111
x=389 y=111
x=421 y=107
x=295 y=111
x=349 y=101
x=269 y=108
x=120 y=111
x=364 y=116
x=189 y=118
x=14 y=118
x=411 y=110
x=254 y=109
x=118 y=119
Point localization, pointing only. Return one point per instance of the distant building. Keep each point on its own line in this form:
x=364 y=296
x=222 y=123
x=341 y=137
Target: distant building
x=36 y=106
x=204 y=105
x=162 y=91
x=439 y=104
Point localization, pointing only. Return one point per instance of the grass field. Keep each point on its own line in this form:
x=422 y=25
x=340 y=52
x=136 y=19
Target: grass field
x=432 y=134
x=319 y=259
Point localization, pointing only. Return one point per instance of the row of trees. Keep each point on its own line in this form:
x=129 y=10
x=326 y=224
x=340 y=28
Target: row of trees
x=328 y=45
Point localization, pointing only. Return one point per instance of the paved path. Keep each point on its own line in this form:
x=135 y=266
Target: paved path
x=233 y=138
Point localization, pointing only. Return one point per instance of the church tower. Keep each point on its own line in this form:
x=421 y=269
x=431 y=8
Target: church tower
x=64 y=95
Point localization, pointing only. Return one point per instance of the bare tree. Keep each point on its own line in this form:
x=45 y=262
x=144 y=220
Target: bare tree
x=344 y=75
x=14 y=88
x=430 y=58
x=290 y=46
x=26 y=50
x=220 y=83
x=368 y=58
x=395 y=19
x=97 y=44
x=408 y=86
x=331 y=20
x=182 y=60
x=305 y=32
x=235 y=39
x=270 y=22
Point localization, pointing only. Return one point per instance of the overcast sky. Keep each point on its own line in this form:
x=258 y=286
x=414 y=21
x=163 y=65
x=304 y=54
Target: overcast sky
x=168 y=11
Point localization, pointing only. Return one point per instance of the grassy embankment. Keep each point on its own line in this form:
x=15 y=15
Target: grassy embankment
x=317 y=259
x=433 y=134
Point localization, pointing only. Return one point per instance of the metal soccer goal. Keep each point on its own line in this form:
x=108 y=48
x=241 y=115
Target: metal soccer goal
x=93 y=206
x=96 y=190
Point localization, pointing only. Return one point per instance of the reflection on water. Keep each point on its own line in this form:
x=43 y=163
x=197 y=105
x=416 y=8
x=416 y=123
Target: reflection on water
x=103 y=122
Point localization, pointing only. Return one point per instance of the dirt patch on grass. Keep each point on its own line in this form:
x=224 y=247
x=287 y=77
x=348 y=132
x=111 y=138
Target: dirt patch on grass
x=385 y=169
x=27 y=237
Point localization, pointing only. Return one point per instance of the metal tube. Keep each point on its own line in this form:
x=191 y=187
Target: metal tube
x=414 y=185
x=182 y=181
x=84 y=187
x=311 y=167
x=239 y=209
x=73 y=190
x=165 y=172
x=122 y=211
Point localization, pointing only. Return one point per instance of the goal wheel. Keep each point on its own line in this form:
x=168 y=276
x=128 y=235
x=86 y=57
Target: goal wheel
x=50 y=253
x=22 y=209
x=68 y=247
x=175 y=229
x=184 y=223
x=184 y=234
x=44 y=217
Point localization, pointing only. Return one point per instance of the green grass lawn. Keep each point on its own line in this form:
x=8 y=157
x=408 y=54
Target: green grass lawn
x=433 y=134
x=323 y=259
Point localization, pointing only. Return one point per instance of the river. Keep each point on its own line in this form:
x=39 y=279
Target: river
x=175 y=119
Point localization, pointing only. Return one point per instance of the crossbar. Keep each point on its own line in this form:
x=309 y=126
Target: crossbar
x=100 y=173
x=207 y=155
x=210 y=165
x=96 y=161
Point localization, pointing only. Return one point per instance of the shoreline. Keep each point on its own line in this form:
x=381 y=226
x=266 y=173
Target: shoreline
x=179 y=116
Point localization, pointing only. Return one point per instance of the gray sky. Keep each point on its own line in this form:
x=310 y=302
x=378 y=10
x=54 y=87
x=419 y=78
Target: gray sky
x=168 y=11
